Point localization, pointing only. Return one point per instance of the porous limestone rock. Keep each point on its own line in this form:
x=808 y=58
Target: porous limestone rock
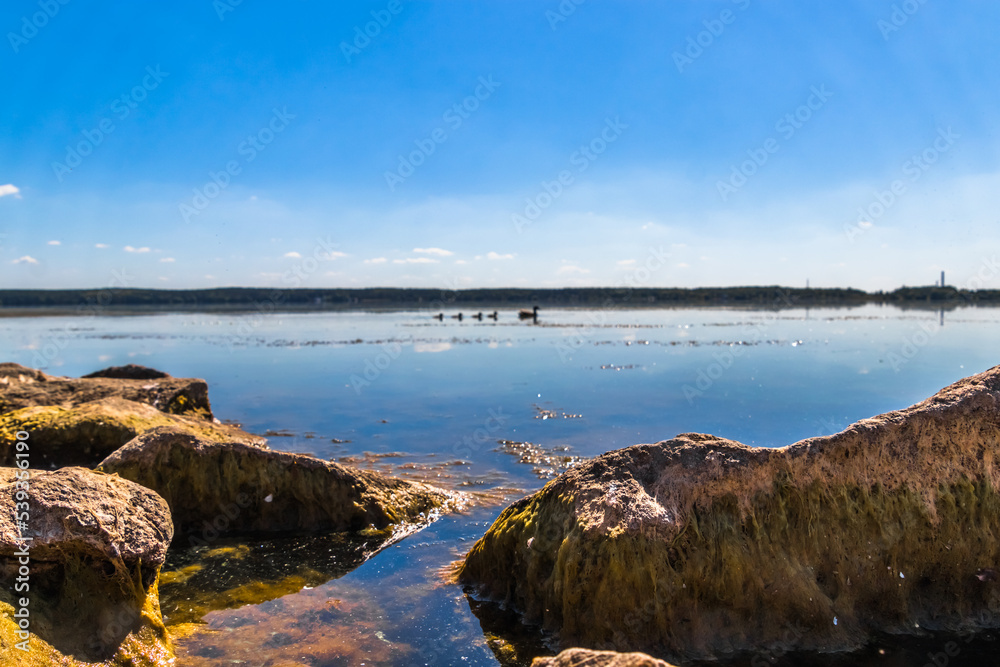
x=84 y=434
x=22 y=387
x=90 y=574
x=580 y=657
x=219 y=488
x=701 y=547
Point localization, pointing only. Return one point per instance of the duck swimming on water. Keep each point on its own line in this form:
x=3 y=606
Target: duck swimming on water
x=526 y=314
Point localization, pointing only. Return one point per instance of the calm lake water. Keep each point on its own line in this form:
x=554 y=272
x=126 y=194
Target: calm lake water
x=458 y=402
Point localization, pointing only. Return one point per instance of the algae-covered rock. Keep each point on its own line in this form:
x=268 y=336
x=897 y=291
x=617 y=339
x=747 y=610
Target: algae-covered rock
x=85 y=434
x=702 y=547
x=218 y=488
x=89 y=580
x=233 y=572
x=22 y=387
x=579 y=657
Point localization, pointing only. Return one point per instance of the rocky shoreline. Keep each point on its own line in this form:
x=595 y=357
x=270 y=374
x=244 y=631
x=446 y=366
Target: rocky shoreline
x=81 y=548
x=694 y=548
x=703 y=548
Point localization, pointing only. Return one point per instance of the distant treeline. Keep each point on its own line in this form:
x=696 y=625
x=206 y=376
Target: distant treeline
x=260 y=298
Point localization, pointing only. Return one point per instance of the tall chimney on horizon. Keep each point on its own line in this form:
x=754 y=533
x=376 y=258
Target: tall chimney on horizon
x=942 y=279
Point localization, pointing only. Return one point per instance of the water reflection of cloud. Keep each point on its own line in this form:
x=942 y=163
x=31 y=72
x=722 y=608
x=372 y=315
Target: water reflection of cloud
x=431 y=347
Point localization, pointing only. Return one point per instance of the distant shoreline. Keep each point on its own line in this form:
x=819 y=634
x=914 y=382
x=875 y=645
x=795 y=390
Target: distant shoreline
x=120 y=302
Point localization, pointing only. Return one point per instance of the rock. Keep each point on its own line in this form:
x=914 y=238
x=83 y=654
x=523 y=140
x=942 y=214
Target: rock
x=216 y=488
x=90 y=576
x=700 y=547
x=579 y=657
x=128 y=372
x=86 y=433
x=22 y=387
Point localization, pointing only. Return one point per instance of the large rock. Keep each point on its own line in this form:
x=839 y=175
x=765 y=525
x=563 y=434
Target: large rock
x=700 y=547
x=84 y=434
x=90 y=576
x=22 y=387
x=216 y=488
x=579 y=657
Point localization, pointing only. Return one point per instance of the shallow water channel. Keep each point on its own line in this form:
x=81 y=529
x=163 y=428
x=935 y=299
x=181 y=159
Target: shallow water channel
x=494 y=409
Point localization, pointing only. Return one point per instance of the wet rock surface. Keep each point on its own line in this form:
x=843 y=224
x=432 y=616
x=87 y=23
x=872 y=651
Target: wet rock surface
x=84 y=434
x=578 y=657
x=97 y=544
x=216 y=488
x=701 y=547
x=22 y=387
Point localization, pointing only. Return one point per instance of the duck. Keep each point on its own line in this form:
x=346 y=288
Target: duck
x=526 y=314
x=457 y=317
x=439 y=317
x=478 y=316
x=493 y=315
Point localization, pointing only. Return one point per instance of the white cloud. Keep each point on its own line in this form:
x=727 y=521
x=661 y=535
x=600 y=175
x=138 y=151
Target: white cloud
x=27 y=259
x=416 y=260
x=102 y=246
x=496 y=255
x=54 y=243
x=129 y=248
x=168 y=259
x=10 y=189
x=376 y=260
x=292 y=255
x=333 y=254
x=626 y=262
x=571 y=268
x=461 y=261
x=437 y=252
x=163 y=278
x=683 y=265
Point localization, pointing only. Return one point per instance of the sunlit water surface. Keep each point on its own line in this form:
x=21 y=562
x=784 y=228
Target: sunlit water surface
x=457 y=402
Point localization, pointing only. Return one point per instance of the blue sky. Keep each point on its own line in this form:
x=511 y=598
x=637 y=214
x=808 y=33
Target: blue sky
x=515 y=143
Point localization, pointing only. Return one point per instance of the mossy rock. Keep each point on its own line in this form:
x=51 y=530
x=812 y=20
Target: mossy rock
x=227 y=573
x=97 y=545
x=578 y=657
x=22 y=387
x=86 y=434
x=230 y=488
x=700 y=547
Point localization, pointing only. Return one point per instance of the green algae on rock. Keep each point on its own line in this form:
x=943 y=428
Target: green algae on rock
x=97 y=544
x=22 y=387
x=227 y=488
x=86 y=433
x=234 y=572
x=579 y=657
x=700 y=547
